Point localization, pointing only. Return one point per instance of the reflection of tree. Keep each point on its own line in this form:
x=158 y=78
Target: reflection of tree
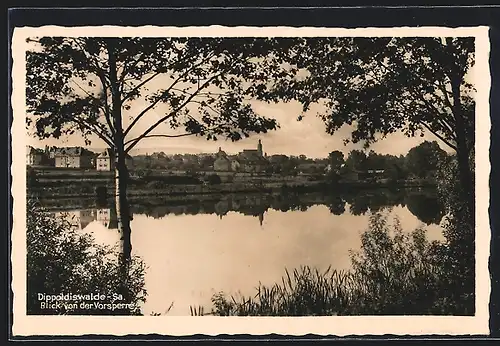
x=360 y=205
x=336 y=205
x=374 y=200
x=426 y=208
x=360 y=202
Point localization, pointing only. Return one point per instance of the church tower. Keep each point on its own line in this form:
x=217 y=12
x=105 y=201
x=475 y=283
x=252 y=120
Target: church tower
x=259 y=148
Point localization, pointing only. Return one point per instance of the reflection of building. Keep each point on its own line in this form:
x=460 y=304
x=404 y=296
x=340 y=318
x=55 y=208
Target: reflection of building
x=77 y=218
x=107 y=217
x=103 y=215
x=86 y=217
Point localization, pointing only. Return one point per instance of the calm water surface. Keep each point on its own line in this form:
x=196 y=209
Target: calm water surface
x=196 y=248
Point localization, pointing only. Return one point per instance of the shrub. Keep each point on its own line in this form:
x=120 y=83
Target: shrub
x=213 y=179
x=143 y=173
x=62 y=260
x=156 y=184
x=459 y=231
x=394 y=273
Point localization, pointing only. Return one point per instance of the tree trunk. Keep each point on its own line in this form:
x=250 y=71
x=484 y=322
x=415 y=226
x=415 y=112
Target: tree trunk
x=463 y=151
x=122 y=207
x=121 y=175
x=121 y=172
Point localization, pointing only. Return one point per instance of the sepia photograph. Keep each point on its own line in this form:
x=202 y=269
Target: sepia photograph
x=257 y=175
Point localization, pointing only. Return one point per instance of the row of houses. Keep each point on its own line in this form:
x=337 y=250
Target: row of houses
x=249 y=160
x=70 y=157
x=256 y=161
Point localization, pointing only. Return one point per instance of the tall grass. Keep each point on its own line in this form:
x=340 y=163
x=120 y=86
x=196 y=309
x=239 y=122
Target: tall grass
x=394 y=273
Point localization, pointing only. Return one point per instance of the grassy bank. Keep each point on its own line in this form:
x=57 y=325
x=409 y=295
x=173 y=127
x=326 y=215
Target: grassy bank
x=159 y=188
x=84 y=188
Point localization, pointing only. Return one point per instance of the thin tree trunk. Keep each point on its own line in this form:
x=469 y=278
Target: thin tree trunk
x=122 y=207
x=121 y=176
x=456 y=75
x=121 y=172
x=463 y=151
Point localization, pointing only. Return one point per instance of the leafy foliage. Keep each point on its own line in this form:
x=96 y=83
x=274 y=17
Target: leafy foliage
x=336 y=159
x=425 y=159
x=198 y=84
x=61 y=260
x=382 y=85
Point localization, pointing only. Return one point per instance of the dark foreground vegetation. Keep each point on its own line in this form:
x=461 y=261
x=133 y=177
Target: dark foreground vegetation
x=62 y=261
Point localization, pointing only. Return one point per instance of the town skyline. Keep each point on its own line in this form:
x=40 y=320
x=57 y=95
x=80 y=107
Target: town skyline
x=293 y=138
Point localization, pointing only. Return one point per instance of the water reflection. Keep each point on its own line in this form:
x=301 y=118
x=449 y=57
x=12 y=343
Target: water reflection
x=81 y=218
x=197 y=246
x=424 y=204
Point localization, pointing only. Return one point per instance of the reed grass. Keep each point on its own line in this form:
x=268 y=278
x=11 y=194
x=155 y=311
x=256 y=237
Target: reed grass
x=394 y=273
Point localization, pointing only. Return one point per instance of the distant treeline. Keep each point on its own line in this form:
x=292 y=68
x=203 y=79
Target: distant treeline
x=421 y=162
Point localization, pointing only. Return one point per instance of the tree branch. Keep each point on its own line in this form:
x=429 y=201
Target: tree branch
x=101 y=74
x=439 y=115
x=138 y=86
x=162 y=71
x=105 y=109
x=454 y=147
x=160 y=135
x=94 y=129
x=127 y=69
x=153 y=104
x=152 y=127
x=440 y=119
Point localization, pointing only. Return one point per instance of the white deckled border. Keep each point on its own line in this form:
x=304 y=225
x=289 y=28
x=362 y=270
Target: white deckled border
x=24 y=325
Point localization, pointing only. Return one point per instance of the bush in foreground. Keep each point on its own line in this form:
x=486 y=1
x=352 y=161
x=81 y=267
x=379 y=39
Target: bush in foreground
x=63 y=260
x=394 y=273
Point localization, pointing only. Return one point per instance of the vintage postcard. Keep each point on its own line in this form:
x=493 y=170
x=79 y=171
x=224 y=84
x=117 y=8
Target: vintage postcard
x=216 y=180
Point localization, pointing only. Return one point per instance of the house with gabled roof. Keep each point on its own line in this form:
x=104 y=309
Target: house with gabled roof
x=222 y=162
x=105 y=161
x=73 y=157
x=34 y=157
x=248 y=160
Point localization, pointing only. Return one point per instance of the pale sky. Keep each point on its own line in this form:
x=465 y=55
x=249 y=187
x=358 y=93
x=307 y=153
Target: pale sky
x=307 y=137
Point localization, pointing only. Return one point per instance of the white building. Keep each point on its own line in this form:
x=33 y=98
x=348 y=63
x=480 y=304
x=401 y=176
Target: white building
x=103 y=161
x=33 y=157
x=75 y=157
x=106 y=161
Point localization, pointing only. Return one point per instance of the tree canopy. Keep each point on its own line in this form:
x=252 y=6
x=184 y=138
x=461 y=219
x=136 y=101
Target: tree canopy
x=199 y=86
x=383 y=85
x=425 y=159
